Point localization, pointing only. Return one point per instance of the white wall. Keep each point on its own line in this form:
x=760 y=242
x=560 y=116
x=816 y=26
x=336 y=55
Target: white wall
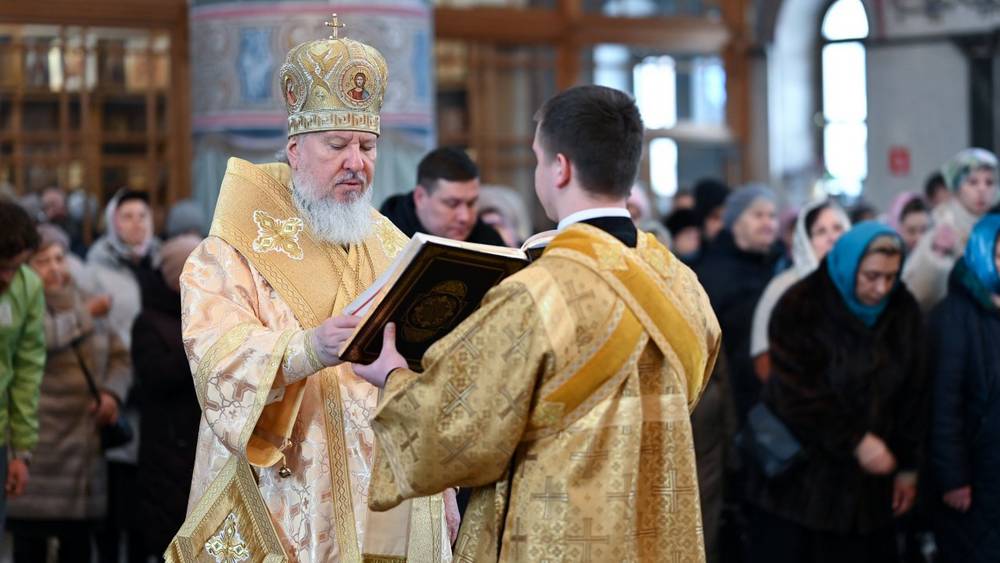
x=918 y=97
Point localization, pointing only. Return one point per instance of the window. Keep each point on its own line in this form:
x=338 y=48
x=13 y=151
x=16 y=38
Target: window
x=845 y=102
x=656 y=96
x=656 y=91
x=663 y=166
x=682 y=100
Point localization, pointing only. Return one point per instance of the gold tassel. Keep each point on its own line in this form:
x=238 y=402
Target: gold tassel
x=284 y=472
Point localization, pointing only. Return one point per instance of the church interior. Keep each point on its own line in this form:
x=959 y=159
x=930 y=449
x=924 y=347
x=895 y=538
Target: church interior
x=817 y=110
x=850 y=98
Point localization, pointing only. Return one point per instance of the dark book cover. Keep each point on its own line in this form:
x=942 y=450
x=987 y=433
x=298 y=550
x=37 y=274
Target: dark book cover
x=440 y=288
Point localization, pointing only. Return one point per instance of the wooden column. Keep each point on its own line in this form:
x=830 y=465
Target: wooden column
x=736 y=59
x=178 y=112
x=568 y=51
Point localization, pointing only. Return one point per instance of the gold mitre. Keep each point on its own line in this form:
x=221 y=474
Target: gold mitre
x=334 y=84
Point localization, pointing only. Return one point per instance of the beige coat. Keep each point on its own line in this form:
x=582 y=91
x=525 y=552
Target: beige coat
x=926 y=271
x=68 y=473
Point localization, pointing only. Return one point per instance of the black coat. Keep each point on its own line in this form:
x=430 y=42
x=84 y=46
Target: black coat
x=965 y=434
x=833 y=379
x=164 y=391
x=401 y=210
x=734 y=280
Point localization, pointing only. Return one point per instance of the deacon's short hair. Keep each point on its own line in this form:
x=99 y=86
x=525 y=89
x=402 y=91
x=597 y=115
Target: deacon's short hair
x=18 y=233
x=445 y=163
x=599 y=130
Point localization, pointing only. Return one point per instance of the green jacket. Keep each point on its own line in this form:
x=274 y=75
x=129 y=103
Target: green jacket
x=22 y=359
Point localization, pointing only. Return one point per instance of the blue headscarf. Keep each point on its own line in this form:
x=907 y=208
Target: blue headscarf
x=979 y=253
x=843 y=261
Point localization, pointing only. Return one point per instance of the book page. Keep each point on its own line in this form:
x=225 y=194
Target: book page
x=362 y=302
x=478 y=247
x=541 y=239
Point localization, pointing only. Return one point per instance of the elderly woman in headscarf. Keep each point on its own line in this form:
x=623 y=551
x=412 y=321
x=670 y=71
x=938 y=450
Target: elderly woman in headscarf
x=910 y=217
x=734 y=269
x=971 y=177
x=67 y=493
x=118 y=263
x=127 y=250
x=848 y=382
x=965 y=434
x=817 y=228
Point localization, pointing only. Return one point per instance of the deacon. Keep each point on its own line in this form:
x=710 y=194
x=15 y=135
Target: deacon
x=286 y=449
x=566 y=397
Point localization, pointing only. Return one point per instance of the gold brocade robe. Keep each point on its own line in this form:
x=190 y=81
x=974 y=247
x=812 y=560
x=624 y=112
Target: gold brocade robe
x=248 y=293
x=565 y=398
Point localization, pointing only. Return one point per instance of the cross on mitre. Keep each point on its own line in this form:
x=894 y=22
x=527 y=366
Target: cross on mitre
x=335 y=26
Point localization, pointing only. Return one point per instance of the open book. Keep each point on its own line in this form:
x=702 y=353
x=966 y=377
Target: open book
x=431 y=286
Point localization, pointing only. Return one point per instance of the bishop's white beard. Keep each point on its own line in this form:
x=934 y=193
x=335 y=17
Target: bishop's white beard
x=330 y=220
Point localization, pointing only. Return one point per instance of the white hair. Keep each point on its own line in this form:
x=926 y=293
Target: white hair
x=329 y=219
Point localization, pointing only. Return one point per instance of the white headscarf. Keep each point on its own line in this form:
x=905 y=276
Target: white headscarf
x=803 y=256
x=122 y=248
x=804 y=261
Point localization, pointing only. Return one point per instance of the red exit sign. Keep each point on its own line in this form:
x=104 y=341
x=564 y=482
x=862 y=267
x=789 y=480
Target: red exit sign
x=899 y=161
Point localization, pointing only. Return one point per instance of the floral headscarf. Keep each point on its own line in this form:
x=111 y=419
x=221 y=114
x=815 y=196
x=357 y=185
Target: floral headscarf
x=963 y=163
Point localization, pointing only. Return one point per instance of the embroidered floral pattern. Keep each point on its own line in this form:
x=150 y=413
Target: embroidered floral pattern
x=389 y=237
x=227 y=546
x=276 y=235
x=609 y=256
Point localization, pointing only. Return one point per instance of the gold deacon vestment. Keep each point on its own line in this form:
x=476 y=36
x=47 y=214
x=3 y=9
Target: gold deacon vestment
x=566 y=399
x=248 y=292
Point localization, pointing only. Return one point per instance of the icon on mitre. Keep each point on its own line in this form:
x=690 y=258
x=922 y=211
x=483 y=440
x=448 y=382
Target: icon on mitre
x=358 y=92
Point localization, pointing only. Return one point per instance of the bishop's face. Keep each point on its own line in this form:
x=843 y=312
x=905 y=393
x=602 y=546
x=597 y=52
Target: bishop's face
x=338 y=165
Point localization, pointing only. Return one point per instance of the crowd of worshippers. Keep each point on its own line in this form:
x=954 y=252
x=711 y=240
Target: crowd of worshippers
x=866 y=347
x=868 y=341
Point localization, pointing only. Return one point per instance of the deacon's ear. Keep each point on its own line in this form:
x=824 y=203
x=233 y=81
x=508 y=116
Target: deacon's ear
x=292 y=152
x=564 y=171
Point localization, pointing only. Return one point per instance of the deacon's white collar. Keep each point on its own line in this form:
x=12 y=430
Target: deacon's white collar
x=593 y=213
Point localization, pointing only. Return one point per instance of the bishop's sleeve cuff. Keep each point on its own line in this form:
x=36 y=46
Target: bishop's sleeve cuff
x=300 y=359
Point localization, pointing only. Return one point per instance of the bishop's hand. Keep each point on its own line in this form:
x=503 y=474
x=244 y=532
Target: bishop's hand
x=388 y=360
x=328 y=337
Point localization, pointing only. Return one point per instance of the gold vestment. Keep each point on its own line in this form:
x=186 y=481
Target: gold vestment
x=249 y=292
x=565 y=399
